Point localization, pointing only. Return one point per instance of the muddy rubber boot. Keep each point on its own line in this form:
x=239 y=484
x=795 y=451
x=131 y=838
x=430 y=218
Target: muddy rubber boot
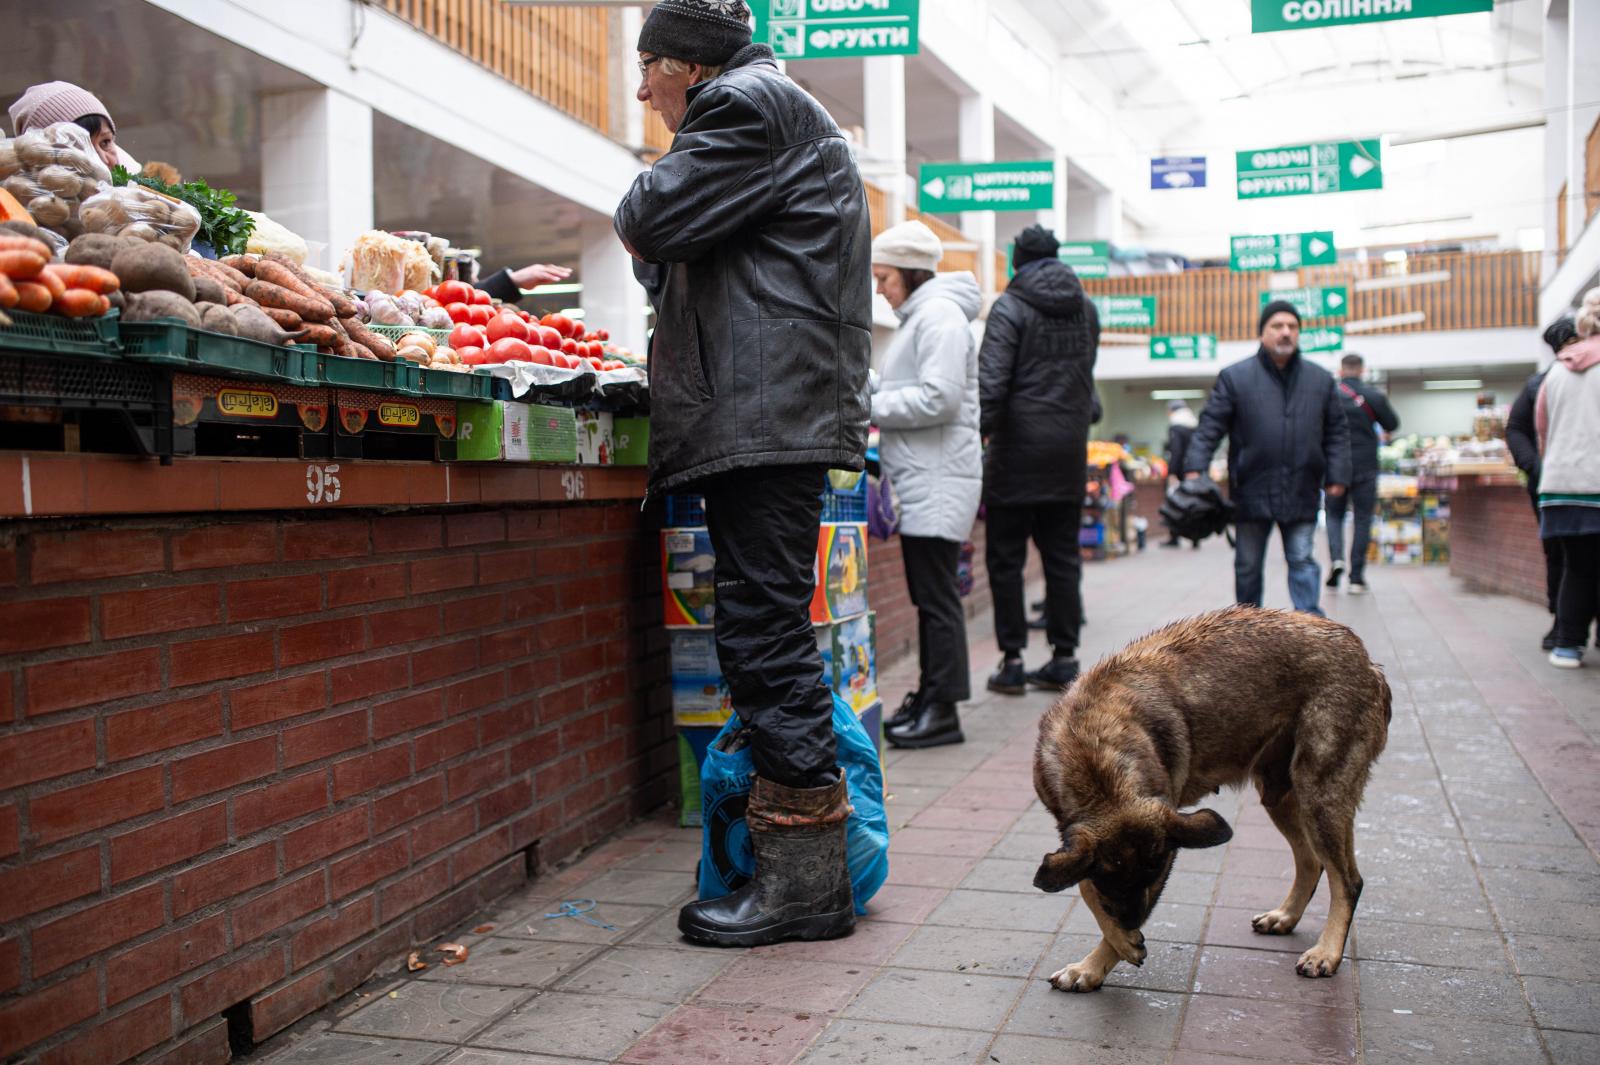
x=801 y=889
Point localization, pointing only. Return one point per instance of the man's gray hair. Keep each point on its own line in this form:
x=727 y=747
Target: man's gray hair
x=674 y=67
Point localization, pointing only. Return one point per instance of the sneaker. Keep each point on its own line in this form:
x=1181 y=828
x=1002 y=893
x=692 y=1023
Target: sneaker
x=1010 y=679
x=1334 y=575
x=1357 y=586
x=1059 y=673
x=1566 y=657
x=1549 y=641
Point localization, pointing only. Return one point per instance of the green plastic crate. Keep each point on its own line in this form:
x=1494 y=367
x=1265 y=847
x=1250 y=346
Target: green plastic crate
x=395 y=332
x=400 y=376
x=448 y=384
x=169 y=342
x=61 y=336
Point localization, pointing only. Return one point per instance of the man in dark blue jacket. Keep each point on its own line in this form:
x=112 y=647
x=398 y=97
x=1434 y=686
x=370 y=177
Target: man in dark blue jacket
x=1287 y=440
x=1366 y=410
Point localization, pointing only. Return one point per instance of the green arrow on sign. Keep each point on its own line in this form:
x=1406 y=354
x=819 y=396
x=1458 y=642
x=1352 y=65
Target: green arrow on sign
x=1024 y=186
x=836 y=29
x=1310 y=169
x=1330 y=302
x=1323 y=339
x=1283 y=251
x=1189 y=346
x=1270 y=16
x=1125 y=312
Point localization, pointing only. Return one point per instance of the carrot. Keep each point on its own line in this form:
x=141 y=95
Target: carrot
x=17 y=242
x=23 y=262
x=343 y=306
x=199 y=268
x=80 y=303
x=8 y=293
x=92 y=278
x=32 y=296
x=245 y=264
x=226 y=274
x=235 y=298
x=270 y=295
x=323 y=336
x=351 y=350
x=288 y=319
x=280 y=271
x=378 y=345
x=51 y=281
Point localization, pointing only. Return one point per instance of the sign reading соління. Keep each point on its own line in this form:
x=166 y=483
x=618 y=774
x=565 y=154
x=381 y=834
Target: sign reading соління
x=1270 y=16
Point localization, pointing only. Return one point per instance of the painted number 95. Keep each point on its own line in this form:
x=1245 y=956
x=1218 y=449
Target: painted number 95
x=322 y=484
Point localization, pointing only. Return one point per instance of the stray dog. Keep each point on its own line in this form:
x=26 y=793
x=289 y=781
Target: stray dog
x=1290 y=701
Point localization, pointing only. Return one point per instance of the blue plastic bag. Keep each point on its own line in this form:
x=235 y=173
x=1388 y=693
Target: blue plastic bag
x=727 y=860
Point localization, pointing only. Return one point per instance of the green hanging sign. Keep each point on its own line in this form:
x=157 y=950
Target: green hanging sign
x=1330 y=302
x=1322 y=339
x=1283 y=251
x=1125 y=312
x=1271 y=16
x=1310 y=169
x=836 y=29
x=1191 y=347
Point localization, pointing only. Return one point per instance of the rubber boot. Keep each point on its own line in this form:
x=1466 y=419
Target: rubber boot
x=801 y=889
x=937 y=724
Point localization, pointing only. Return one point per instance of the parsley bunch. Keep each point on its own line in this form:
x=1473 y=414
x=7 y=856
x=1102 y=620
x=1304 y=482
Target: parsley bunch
x=222 y=225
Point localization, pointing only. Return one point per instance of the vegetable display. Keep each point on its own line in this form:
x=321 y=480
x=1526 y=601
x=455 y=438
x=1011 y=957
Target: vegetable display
x=222 y=225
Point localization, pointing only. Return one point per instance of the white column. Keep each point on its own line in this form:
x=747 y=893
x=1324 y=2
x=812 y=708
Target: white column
x=316 y=168
x=1056 y=217
x=627 y=111
x=976 y=136
x=612 y=299
x=882 y=158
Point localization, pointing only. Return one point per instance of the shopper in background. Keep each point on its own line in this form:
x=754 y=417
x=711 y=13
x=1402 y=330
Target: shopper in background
x=1568 y=419
x=1366 y=410
x=758 y=219
x=508 y=285
x=1036 y=388
x=926 y=409
x=61 y=101
x=1181 y=424
x=1522 y=437
x=1287 y=439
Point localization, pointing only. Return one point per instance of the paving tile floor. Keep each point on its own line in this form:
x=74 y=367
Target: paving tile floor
x=1477 y=841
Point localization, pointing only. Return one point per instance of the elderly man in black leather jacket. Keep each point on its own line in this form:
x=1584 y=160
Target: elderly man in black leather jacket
x=755 y=230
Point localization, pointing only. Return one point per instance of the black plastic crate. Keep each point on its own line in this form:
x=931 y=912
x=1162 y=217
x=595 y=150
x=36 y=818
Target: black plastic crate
x=125 y=405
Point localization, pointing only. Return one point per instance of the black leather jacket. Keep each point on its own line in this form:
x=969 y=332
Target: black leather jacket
x=1036 y=388
x=1363 y=439
x=763 y=301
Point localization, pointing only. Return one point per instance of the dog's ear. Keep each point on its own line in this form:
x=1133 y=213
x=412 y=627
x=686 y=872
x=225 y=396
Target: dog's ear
x=1065 y=867
x=1203 y=828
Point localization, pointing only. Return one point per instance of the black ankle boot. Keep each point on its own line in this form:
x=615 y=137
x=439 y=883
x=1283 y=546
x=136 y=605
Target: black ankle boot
x=1058 y=673
x=908 y=710
x=801 y=889
x=1010 y=679
x=936 y=724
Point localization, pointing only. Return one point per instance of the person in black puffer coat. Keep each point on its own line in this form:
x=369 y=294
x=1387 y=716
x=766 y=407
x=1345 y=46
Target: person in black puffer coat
x=1366 y=410
x=1036 y=397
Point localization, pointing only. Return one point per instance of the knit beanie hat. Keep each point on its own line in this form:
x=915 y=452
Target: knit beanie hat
x=52 y=102
x=1561 y=331
x=1275 y=307
x=1035 y=242
x=707 y=32
x=910 y=246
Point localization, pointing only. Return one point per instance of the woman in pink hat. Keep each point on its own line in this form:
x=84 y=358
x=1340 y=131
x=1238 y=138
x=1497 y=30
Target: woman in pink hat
x=61 y=101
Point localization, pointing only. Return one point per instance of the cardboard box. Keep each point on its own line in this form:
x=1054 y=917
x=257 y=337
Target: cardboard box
x=872 y=721
x=850 y=659
x=700 y=694
x=688 y=578
x=499 y=431
x=596 y=437
x=632 y=438
x=841 y=569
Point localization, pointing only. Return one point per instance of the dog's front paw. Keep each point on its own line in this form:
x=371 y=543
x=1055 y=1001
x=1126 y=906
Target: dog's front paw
x=1274 y=923
x=1318 y=962
x=1131 y=948
x=1080 y=978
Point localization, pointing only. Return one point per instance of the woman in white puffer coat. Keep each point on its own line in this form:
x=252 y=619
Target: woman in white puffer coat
x=925 y=405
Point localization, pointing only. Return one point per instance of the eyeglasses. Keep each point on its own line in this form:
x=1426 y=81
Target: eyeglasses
x=644 y=65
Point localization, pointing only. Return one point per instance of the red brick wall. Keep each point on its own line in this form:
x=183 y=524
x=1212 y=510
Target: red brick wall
x=1494 y=540
x=251 y=762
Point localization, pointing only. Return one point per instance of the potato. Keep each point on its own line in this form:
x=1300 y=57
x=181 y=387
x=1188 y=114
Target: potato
x=152 y=267
x=209 y=290
x=18 y=227
x=215 y=317
x=9 y=163
x=148 y=306
x=142 y=230
x=49 y=210
x=94 y=249
x=62 y=181
x=21 y=186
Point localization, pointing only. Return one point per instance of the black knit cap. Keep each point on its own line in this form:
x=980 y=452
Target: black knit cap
x=1275 y=307
x=1561 y=331
x=1035 y=242
x=707 y=32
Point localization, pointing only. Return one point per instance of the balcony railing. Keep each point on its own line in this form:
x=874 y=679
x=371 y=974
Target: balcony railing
x=1423 y=294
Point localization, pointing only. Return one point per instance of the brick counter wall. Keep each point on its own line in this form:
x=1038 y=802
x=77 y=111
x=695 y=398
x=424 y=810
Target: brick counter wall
x=1494 y=540
x=245 y=764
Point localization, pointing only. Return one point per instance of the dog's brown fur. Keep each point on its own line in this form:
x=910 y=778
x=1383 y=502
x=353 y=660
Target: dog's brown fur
x=1290 y=701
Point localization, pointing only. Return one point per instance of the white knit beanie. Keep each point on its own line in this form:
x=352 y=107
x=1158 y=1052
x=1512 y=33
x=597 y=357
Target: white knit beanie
x=910 y=246
x=52 y=102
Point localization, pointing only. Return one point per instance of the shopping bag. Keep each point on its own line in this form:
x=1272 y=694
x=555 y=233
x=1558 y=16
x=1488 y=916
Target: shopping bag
x=727 y=860
x=883 y=509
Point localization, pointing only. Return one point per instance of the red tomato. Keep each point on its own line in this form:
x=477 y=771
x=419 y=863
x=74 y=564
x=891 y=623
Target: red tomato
x=595 y=365
x=468 y=336
x=507 y=325
x=457 y=312
x=453 y=292
x=480 y=314
x=479 y=296
x=432 y=292
x=570 y=346
x=613 y=364
x=598 y=350
x=567 y=362
x=548 y=337
x=561 y=324
x=542 y=356
x=602 y=334
x=510 y=349
x=473 y=356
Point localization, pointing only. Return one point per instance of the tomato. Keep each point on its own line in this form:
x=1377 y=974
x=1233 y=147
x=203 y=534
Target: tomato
x=507 y=325
x=602 y=335
x=432 y=292
x=567 y=362
x=595 y=365
x=457 y=312
x=542 y=356
x=448 y=292
x=473 y=356
x=480 y=314
x=562 y=324
x=479 y=296
x=467 y=336
x=570 y=346
x=548 y=337
x=509 y=349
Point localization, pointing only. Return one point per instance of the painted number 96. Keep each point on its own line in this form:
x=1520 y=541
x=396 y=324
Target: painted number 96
x=322 y=484
x=572 y=481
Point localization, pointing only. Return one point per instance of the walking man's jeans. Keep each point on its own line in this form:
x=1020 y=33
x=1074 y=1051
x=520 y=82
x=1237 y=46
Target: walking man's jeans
x=941 y=622
x=763 y=524
x=1054 y=528
x=1361 y=500
x=1250 y=557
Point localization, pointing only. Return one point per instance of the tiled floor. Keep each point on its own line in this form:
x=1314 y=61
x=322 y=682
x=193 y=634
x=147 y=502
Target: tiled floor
x=1472 y=942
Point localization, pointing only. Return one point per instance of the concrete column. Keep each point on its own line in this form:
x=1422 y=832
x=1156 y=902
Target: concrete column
x=627 y=113
x=316 y=168
x=976 y=136
x=1056 y=217
x=612 y=299
x=883 y=156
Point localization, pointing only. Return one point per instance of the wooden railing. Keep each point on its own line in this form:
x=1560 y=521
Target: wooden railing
x=1591 y=165
x=657 y=137
x=1466 y=290
x=559 y=54
x=878 y=208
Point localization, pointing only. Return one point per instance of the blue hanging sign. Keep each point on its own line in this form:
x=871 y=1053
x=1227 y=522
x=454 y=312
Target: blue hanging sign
x=1178 y=172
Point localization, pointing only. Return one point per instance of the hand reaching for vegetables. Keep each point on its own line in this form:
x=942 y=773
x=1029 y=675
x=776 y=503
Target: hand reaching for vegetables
x=540 y=274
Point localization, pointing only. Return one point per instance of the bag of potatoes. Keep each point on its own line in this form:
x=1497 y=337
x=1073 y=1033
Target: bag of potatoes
x=135 y=211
